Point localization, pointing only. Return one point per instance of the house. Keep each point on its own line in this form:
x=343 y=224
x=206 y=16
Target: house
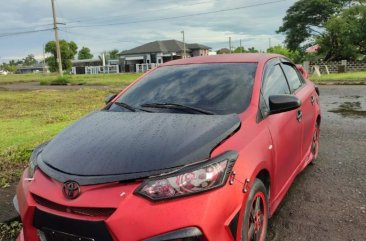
x=36 y=68
x=94 y=66
x=313 y=49
x=147 y=56
x=79 y=66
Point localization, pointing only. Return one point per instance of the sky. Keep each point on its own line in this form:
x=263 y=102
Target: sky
x=103 y=25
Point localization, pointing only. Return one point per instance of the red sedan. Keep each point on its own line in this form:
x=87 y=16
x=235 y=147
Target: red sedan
x=197 y=149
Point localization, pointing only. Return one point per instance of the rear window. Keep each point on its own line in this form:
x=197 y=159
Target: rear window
x=222 y=88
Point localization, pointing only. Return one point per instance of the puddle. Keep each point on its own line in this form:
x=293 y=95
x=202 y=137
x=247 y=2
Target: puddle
x=350 y=109
x=351 y=97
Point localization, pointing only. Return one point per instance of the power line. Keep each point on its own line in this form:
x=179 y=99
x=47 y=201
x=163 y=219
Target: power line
x=106 y=18
x=23 y=32
x=95 y=36
x=26 y=28
x=176 y=17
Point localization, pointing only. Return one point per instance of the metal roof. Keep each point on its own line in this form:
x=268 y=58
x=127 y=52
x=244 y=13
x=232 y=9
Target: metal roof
x=164 y=46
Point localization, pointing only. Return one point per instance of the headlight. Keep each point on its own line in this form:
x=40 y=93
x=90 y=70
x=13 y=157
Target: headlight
x=191 y=179
x=33 y=159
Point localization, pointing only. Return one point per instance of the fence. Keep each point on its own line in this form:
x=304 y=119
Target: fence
x=336 y=66
x=142 y=68
x=108 y=69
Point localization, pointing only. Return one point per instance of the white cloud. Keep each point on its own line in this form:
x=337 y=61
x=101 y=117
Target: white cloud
x=253 y=25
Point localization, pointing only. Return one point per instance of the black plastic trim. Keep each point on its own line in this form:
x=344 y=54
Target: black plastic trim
x=317 y=90
x=96 y=230
x=234 y=225
x=190 y=232
x=283 y=103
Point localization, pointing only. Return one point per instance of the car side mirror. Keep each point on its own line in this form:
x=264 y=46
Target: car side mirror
x=283 y=103
x=109 y=98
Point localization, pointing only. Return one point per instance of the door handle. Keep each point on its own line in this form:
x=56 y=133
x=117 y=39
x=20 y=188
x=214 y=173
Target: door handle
x=299 y=115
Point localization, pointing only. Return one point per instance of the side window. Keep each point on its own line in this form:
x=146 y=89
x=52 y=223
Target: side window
x=274 y=83
x=293 y=78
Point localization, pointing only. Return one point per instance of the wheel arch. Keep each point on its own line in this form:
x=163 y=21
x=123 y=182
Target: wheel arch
x=318 y=119
x=265 y=177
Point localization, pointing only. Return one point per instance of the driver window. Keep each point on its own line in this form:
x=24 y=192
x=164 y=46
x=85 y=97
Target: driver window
x=274 y=83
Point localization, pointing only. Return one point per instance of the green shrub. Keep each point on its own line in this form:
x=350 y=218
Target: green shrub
x=64 y=80
x=9 y=231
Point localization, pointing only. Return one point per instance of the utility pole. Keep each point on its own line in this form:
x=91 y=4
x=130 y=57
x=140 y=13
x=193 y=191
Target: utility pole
x=58 y=51
x=184 y=45
x=270 y=42
x=230 y=44
x=44 y=60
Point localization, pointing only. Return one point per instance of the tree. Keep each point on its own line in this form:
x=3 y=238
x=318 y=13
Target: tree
x=29 y=60
x=295 y=56
x=9 y=67
x=252 y=50
x=84 y=53
x=223 y=51
x=240 y=50
x=68 y=51
x=306 y=19
x=113 y=54
x=109 y=55
x=345 y=34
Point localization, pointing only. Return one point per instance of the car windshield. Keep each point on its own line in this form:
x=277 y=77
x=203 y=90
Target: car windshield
x=220 y=88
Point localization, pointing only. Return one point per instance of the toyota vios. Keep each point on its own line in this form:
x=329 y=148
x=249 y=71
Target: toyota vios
x=197 y=149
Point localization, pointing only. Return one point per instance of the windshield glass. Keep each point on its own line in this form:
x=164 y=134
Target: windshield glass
x=222 y=88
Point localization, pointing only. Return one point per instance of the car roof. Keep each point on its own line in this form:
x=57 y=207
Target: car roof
x=225 y=58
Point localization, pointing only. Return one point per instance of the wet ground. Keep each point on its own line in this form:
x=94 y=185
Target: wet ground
x=328 y=200
x=7 y=212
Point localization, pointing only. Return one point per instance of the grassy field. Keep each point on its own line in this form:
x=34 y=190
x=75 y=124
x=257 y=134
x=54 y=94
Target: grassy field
x=350 y=78
x=29 y=118
x=98 y=79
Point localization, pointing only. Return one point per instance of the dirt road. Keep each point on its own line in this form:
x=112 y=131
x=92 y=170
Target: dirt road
x=328 y=200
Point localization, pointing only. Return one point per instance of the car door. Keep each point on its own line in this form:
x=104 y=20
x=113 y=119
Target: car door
x=285 y=129
x=306 y=94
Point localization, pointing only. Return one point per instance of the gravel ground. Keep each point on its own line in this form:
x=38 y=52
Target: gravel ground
x=328 y=200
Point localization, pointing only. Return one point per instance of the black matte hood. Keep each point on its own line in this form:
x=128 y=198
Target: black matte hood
x=115 y=146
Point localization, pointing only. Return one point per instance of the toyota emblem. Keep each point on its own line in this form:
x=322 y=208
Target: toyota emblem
x=71 y=189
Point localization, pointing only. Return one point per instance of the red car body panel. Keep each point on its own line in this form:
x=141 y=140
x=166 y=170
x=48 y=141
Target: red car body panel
x=265 y=146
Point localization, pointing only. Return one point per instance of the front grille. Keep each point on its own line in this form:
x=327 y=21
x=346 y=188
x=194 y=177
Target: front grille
x=57 y=228
x=91 y=212
x=50 y=235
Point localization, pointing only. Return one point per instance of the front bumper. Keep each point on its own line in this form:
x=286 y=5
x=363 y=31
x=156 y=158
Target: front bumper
x=205 y=216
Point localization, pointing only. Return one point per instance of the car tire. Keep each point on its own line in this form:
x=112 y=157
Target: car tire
x=255 y=221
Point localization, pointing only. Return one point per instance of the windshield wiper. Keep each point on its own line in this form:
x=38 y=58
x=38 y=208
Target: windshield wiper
x=177 y=107
x=126 y=106
x=129 y=107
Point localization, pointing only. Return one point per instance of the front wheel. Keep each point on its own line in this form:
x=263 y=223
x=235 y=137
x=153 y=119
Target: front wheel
x=254 y=226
